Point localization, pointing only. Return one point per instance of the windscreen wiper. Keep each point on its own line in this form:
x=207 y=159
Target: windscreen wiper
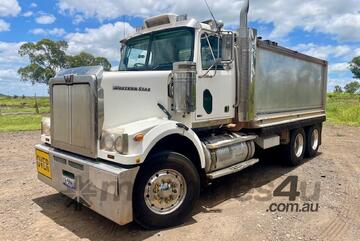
x=161 y=65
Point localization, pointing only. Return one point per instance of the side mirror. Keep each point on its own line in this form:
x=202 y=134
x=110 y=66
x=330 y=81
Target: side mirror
x=227 y=47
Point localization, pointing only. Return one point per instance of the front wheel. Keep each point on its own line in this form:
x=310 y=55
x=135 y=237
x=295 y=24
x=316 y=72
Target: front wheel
x=165 y=191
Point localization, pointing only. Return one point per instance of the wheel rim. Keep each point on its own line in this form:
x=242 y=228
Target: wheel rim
x=299 y=145
x=165 y=191
x=314 y=139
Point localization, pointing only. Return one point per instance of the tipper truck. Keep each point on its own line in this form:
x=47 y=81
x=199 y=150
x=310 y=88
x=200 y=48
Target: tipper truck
x=191 y=102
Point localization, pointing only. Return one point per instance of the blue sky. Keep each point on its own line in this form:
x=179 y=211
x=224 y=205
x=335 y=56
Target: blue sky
x=323 y=28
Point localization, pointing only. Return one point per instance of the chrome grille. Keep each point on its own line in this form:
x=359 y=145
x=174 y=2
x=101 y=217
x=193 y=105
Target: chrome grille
x=73 y=114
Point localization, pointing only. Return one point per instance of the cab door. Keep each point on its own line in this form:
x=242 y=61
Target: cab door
x=215 y=93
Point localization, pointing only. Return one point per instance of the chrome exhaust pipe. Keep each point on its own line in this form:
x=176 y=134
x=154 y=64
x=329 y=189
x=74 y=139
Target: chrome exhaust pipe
x=244 y=15
x=246 y=44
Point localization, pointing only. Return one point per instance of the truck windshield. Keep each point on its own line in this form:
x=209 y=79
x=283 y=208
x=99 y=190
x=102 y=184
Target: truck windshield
x=158 y=50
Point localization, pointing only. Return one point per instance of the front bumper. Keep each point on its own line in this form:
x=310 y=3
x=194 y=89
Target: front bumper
x=103 y=187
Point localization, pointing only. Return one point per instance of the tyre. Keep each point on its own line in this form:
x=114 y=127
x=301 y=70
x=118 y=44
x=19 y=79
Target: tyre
x=165 y=191
x=295 y=150
x=313 y=135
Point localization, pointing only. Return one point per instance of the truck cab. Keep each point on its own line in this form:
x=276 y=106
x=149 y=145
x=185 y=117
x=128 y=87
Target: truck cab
x=190 y=102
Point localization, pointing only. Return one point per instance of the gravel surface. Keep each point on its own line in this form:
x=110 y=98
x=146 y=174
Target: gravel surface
x=232 y=208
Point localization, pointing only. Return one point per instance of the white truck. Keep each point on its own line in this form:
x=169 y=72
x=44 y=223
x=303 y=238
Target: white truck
x=191 y=102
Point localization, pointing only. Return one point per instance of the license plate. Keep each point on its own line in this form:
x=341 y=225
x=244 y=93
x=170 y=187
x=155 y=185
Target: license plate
x=69 y=182
x=43 y=163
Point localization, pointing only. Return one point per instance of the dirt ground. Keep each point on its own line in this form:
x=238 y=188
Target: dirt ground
x=232 y=208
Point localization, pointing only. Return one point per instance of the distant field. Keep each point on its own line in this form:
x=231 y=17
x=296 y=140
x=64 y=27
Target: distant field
x=343 y=109
x=18 y=114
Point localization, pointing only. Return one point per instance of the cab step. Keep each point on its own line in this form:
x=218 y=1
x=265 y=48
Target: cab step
x=232 y=169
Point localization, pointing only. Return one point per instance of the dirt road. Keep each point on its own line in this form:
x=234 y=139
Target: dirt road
x=237 y=207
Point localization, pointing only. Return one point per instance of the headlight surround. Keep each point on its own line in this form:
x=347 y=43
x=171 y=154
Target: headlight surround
x=45 y=126
x=114 y=142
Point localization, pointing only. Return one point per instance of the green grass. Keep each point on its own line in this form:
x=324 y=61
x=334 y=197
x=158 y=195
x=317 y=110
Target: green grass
x=22 y=103
x=19 y=114
x=343 y=109
x=340 y=109
x=14 y=110
x=20 y=122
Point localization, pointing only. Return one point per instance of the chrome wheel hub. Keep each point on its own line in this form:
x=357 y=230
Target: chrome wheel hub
x=299 y=145
x=165 y=191
x=314 y=139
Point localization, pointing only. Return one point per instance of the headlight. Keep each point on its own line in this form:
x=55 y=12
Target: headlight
x=112 y=141
x=108 y=141
x=45 y=126
x=119 y=144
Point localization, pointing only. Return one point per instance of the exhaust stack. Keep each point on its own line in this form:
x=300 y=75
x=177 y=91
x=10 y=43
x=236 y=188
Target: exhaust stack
x=246 y=46
x=244 y=15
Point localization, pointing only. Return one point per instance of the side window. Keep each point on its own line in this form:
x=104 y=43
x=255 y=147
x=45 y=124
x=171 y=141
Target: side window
x=210 y=46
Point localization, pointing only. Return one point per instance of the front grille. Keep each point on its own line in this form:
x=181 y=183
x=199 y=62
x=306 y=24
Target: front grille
x=74 y=118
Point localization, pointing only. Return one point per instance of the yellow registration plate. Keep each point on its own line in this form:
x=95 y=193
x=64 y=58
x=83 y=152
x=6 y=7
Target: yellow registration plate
x=43 y=163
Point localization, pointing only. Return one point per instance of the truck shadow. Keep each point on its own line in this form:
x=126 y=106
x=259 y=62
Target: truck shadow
x=85 y=223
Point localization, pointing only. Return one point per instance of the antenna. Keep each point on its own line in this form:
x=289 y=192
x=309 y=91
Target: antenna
x=124 y=26
x=212 y=15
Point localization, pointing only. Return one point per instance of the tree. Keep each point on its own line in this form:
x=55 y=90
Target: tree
x=352 y=87
x=338 y=89
x=47 y=57
x=355 y=67
x=86 y=59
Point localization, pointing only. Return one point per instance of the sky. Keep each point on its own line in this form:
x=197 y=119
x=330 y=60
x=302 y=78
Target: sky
x=327 y=29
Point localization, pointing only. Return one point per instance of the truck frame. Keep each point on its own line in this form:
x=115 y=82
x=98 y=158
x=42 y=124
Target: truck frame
x=191 y=102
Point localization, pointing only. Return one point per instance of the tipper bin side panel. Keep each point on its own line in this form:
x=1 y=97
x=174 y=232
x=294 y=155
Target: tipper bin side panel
x=286 y=83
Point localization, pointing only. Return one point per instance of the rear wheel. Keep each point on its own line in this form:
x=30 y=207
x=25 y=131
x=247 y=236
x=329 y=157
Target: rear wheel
x=313 y=136
x=295 y=150
x=165 y=191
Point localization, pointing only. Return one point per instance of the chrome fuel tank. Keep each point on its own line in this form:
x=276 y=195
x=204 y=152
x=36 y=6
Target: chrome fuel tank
x=227 y=149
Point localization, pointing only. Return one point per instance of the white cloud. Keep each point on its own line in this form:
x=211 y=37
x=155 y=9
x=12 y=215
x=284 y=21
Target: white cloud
x=326 y=16
x=4 y=26
x=357 y=52
x=45 y=19
x=102 y=41
x=57 y=31
x=10 y=62
x=28 y=14
x=78 y=19
x=54 y=31
x=324 y=51
x=9 y=54
x=111 y=9
x=9 y=8
x=6 y=74
x=339 y=67
x=33 y=5
x=38 y=31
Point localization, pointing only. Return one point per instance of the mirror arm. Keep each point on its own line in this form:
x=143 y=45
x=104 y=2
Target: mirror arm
x=205 y=75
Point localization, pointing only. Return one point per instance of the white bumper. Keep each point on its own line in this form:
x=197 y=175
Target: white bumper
x=104 y=187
